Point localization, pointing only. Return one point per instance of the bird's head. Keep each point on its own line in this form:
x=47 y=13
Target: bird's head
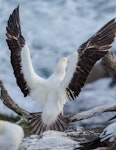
x=62 y=64
x=63 y=61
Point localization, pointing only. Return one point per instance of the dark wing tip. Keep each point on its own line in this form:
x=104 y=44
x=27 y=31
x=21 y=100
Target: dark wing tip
x=16 y=42
x=18 y=7
x=103 y=37
x=89 y=52
x=16 y=10
x=14 y=29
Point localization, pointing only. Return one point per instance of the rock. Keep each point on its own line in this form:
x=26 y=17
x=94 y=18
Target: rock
x=49 y=140
x=74 y=138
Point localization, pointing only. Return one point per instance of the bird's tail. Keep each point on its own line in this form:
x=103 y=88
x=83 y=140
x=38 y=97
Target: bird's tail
x=37 y=126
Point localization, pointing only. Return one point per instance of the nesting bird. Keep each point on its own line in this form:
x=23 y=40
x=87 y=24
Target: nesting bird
x=11 y=135
x=66 y=81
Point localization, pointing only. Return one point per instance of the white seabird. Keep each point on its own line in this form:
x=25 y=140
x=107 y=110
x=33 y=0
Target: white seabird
x=11 y=135
x=67 y=80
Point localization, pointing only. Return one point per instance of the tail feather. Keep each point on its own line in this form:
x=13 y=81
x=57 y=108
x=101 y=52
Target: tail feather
x=59 y=126
x=39 y=129
x=34 y=121
x=37 y=126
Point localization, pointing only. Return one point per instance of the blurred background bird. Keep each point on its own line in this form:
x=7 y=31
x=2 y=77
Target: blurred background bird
x=11 y=135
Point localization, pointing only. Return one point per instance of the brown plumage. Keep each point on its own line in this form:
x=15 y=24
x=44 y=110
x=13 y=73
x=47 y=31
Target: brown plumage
x=89 y=52
x=16 y=42
x=37 y=126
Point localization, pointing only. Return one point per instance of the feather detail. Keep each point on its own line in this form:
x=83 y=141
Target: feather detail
x=89 y=52
x=16 y=42
x=37 y=126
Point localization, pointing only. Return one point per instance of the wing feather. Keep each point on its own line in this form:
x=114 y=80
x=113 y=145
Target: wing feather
x=20 y=55
x=80 y=63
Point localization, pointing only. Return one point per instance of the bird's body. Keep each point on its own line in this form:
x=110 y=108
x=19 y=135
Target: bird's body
x=67 y=80
x=46 y=92
x=11 y=136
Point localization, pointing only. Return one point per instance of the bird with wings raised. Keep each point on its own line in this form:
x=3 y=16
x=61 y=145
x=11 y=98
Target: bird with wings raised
x=66 y=81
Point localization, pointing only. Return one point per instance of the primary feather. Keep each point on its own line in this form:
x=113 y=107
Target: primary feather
x=66 y=81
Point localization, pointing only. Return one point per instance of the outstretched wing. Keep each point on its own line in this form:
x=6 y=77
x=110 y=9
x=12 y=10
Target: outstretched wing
x=20 y=55
x=81 y=62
